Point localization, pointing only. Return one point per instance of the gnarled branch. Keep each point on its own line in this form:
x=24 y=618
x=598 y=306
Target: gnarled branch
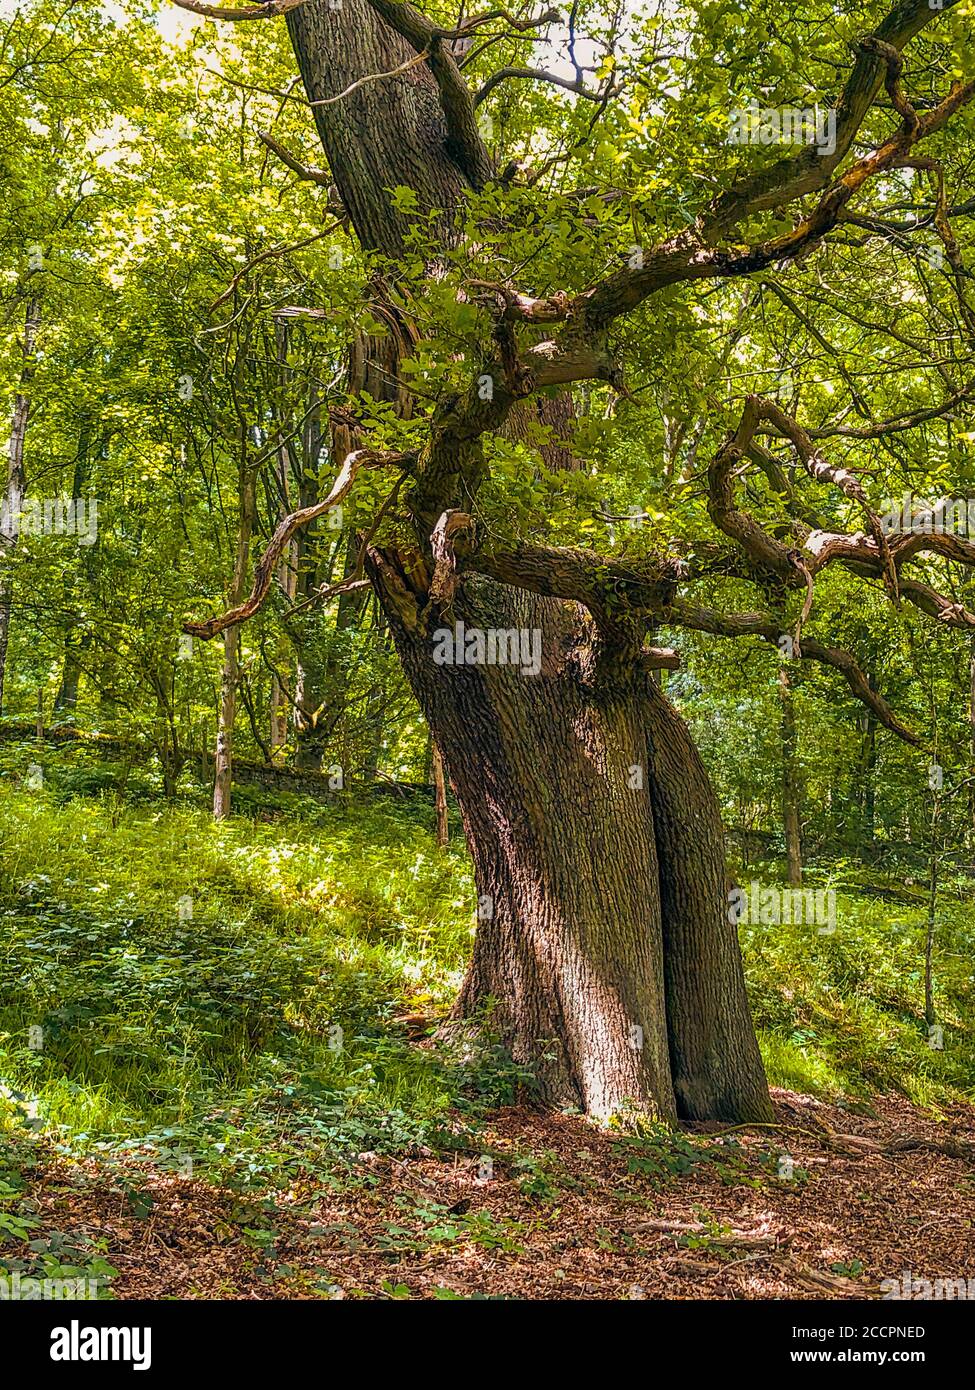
x=265 y=568
x=270 y=9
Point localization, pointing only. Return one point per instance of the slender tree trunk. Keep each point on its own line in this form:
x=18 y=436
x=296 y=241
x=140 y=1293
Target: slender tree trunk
x=869 y=822
x=162 y=679
x=6 y=603
x=327 y=679
x=310 y=722
x=287 y=575
x=230 y=674
x=75 y=643
x=279 y=719
x=791 y=793
x=16 y=482
x=440 y=795
x=288 y=566
x=929 y=1012
x=866 y=793
x=66 y=699
x=374 y=729
x=223 y=758
x=971 y=739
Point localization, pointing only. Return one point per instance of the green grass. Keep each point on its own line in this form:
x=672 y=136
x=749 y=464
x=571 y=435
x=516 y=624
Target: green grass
x=257 y=1037
x=844 y=1012
x=266 y=1013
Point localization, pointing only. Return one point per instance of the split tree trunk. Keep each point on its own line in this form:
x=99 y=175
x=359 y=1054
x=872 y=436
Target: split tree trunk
x=604 y=955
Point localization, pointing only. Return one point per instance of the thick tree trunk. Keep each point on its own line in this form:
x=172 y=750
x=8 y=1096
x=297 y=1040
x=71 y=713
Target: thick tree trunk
x=604 y=955
x=383 y=135
x=569 y=944
x=715 y=1061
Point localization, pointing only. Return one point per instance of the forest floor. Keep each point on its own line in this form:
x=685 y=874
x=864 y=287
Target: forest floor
x=217 y=1079
x=827 y=1204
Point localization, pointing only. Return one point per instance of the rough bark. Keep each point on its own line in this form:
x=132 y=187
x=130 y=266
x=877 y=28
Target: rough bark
x=604 y=956
x=715 y=1062
x=567 y=960
x=386 y=134
x=595 y=837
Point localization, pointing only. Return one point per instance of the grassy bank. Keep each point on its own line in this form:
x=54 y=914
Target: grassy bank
x=236 y=996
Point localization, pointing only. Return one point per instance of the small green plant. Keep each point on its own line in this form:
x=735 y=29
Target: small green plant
x=491 y=1233
x=714 y=1232
x=398 y=1291
x=663 y=1154
x=542 y=1178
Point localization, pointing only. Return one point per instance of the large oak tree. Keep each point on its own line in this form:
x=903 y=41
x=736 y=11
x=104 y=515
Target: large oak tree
x=605 y=955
